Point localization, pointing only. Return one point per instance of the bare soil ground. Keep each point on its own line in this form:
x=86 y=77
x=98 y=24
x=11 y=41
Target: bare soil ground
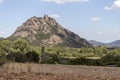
x=15 y=71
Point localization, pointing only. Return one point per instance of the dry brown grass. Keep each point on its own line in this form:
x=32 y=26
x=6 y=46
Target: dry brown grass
x=15 y=71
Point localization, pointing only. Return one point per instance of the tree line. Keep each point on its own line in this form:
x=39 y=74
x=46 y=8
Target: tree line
x=21 y=51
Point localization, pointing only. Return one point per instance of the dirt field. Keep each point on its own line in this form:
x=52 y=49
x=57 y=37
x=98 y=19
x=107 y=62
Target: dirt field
x=14 y=71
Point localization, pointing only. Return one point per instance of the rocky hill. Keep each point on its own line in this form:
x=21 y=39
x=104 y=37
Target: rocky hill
x=41 y=31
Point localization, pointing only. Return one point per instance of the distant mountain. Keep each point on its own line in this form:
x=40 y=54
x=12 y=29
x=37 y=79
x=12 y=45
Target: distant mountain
x=96 y=43
x=41 y=31
x=111 y=44
x=1 y=38
x=114 y=43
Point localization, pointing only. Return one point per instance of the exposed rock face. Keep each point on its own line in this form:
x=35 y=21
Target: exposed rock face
x=46 y=31
x=53 y=40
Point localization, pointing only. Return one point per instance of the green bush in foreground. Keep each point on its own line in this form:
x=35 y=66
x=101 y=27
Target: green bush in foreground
x=85 y=61
x=17 y=57
x=48 y=58
x=32 y=56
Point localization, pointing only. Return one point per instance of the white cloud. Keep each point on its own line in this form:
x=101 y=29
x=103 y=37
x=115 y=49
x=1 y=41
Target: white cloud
x=100 y=33
x=115 y=5
x=108 y=8
x=117 y=33
x=94 y=19
x=1 y=1
x=54 y=16
x=65 y=1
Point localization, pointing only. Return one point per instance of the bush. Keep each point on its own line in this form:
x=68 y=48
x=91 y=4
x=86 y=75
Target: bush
x=48 y=58
x=111 y=60
x=77 y=61
x=85 y=61
x=17 y=57
x=32 y=56
x=3 y=60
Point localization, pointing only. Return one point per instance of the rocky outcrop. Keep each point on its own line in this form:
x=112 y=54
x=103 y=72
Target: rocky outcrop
x=45 y=30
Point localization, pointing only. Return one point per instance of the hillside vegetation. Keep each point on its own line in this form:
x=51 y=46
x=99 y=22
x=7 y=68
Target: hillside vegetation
x=20 y=51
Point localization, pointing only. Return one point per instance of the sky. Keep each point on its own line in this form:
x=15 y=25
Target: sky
x=90 y=19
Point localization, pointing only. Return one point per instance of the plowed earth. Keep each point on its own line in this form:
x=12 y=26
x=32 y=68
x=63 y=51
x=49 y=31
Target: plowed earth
x=15 y=71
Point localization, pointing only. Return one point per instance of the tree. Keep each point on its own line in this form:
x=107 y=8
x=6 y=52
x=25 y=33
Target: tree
x=43 y=49
x=21 y=45
x=100 y=51
x=5 y=46
x=86 y=50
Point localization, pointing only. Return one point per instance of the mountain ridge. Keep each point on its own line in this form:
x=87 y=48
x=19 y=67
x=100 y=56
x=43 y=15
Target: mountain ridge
x=115 y=43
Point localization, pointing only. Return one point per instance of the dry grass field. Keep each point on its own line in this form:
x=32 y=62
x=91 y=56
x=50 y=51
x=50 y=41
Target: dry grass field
x=18 y=71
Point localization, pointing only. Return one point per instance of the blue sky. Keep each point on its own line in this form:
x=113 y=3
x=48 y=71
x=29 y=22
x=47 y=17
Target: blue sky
x=91 y=19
